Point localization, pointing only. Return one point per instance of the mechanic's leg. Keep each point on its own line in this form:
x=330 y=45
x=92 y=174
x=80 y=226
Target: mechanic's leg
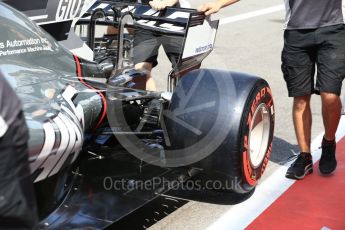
x=17 y=200
x=298 y=66
x=147 y=67
x=111 y=30
x=302 y=120
x=331 y=112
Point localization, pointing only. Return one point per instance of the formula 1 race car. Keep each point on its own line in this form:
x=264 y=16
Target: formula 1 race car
x=101 y=146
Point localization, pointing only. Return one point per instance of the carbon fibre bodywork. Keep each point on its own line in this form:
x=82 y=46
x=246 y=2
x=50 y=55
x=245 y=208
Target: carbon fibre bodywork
x=64 y=107
x=57 y=105
x=56 y=17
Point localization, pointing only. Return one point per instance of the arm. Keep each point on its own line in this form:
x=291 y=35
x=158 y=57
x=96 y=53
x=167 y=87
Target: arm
x=214 y=7
x=162 y=4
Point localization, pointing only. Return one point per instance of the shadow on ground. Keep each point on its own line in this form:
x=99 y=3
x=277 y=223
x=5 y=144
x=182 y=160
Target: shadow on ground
x=282 y=151
x=214 y=196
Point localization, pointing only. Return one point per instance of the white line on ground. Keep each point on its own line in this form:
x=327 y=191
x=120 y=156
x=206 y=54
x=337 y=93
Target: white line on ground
x=252 y=14
x=241 y=215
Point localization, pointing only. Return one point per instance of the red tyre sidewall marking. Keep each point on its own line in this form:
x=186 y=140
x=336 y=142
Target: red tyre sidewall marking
x=251 y=174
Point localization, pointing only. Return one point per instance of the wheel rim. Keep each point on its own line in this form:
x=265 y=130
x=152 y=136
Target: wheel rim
x=259 y=135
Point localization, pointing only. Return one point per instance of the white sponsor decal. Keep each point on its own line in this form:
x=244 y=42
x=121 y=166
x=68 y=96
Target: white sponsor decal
x=3 y=127
x=68 y=139
x=68 y=9
x=30 y=45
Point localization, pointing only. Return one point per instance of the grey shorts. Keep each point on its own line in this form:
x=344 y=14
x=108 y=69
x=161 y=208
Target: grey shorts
x=147 y=43
x=308 y=50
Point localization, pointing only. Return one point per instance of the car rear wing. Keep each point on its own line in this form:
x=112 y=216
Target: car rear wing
x=198 y=32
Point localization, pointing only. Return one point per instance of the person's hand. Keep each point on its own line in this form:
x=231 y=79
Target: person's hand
x=210 y=8
x=162 y=4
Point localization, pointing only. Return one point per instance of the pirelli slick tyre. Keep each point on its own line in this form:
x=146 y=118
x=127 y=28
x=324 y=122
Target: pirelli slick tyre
x=232 y=120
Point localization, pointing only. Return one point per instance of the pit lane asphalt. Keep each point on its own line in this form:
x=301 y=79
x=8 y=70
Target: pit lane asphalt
x=254 y=46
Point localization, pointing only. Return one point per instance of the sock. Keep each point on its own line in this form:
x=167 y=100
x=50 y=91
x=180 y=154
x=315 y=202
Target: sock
x=306 y=155
x=326 y=142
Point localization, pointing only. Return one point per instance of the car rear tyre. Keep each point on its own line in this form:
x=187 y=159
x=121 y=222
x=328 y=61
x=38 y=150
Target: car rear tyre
x=234 y=139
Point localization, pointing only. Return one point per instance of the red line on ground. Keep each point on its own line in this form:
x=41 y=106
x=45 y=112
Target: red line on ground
x=312 y=203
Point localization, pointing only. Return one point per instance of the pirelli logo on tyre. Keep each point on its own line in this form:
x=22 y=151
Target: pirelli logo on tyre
x=257 y=144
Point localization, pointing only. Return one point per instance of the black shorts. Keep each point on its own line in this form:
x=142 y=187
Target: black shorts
x=147 y=43
x=307 y=50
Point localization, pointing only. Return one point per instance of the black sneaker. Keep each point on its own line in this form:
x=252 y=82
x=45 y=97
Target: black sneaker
x=327 y=163
x=302 y=166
